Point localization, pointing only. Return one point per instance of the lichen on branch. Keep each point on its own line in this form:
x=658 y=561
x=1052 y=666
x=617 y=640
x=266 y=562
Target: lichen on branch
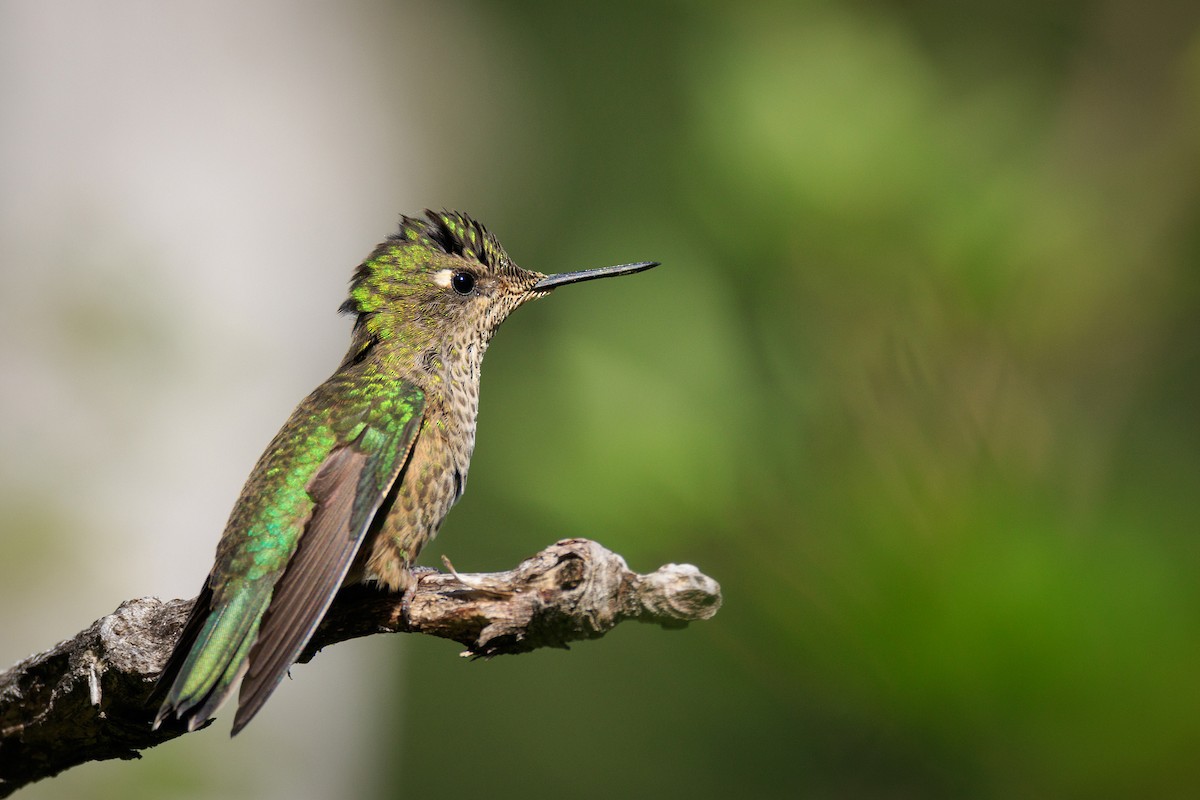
x=87 y=698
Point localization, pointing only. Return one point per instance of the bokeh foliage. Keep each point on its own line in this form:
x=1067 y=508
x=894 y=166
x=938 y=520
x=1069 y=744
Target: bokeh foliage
x=917 y=383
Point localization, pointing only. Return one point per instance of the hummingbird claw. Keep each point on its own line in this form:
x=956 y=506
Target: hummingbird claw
x=410 y=589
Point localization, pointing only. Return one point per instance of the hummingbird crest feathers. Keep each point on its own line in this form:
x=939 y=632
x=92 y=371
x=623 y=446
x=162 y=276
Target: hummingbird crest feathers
x=457 y=234
x=450 y=233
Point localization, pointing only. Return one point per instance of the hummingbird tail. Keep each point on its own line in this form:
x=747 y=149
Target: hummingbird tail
x=210 y=658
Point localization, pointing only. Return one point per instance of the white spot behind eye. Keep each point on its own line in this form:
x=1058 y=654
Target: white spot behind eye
x=442 y=277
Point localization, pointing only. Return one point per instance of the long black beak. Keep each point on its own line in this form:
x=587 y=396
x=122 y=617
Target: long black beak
x=554 y=281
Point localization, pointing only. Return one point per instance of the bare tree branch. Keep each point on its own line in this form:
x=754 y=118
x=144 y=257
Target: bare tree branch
x=86 y=698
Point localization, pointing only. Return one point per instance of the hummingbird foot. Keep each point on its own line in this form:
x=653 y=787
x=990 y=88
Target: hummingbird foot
x=412 y=578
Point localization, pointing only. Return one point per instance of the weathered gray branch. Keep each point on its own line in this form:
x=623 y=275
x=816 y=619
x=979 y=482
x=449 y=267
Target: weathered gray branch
x=86 y=699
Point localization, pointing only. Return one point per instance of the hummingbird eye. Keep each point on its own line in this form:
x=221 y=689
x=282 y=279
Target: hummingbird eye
x=463 y=282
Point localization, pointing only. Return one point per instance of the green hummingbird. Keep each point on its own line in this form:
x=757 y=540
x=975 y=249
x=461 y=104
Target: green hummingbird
x=361 y=475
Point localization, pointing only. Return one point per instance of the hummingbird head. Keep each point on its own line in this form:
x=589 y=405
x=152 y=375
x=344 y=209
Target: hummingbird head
x=444 y=278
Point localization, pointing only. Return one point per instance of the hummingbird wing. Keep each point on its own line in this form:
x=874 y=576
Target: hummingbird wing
x=348 y=489
x=289 y=547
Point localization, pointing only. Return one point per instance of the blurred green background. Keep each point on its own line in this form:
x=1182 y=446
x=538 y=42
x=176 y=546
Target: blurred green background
x=917 y=383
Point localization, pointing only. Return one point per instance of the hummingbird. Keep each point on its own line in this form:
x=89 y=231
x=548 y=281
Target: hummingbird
x=362 y=474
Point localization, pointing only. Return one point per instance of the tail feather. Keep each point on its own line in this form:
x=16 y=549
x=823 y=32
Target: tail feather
x=214 y=661
x=201 y=610
x=205 y=706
